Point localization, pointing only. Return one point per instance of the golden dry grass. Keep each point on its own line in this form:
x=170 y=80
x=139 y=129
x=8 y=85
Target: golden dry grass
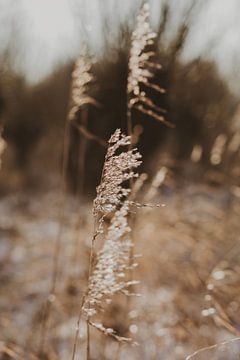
x=181 y=243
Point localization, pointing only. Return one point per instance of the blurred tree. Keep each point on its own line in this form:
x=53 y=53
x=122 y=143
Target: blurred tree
x=197 y=101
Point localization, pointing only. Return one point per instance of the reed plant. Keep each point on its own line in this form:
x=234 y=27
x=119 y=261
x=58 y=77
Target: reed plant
x=109 y=266
x=141 y=66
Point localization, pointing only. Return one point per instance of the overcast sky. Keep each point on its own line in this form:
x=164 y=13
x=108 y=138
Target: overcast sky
x=40 y=35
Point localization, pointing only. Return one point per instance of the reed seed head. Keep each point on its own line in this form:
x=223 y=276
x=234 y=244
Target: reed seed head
x=108 y=276
x=142 y=36
x=81 y=78
x=141 y=68
x=117 y=169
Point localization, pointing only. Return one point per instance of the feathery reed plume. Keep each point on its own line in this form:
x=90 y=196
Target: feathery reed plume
x=108 y=276
x=112 y=198
x=196 y=154
x=157 y=181
x=218 y=149
x=116 y=170
x=81 y=78
x=234 y=142
x=3 y=146
x=141 y=68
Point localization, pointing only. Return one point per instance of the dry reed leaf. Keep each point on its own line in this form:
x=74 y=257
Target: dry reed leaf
x=223 y=297
x=225 y=350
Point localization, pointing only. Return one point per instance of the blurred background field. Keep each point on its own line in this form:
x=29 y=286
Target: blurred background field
x=189 y=268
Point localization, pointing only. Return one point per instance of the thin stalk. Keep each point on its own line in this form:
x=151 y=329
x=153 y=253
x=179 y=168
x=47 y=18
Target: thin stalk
x=129 y=121
x=130 y=128
x=80 y=185
x=77 y=329
x=82 y=151
x=83 y=299
x=88 y=341
x=57 y=246
x=131 y=219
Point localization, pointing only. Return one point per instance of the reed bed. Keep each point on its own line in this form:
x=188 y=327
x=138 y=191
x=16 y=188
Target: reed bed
x=169 y=319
